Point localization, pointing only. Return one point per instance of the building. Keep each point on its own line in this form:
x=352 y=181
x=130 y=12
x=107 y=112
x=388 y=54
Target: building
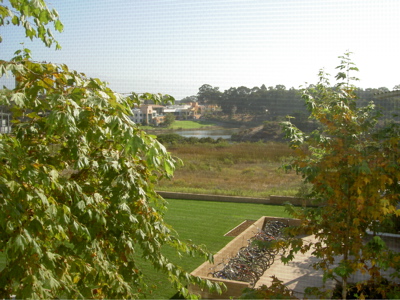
x=147 y=114
x=5 y=121
x=155 y=114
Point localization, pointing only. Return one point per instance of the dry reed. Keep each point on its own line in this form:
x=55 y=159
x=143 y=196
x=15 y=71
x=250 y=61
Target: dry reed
x=241 y=169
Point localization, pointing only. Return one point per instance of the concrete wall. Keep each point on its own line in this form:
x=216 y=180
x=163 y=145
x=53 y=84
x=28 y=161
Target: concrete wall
x=235 y=288
x=274 y=200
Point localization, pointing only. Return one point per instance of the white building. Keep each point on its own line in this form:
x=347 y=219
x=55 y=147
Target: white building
x=155 y=114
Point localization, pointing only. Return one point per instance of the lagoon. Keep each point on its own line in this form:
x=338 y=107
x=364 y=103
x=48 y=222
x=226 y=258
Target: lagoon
x=212 y=133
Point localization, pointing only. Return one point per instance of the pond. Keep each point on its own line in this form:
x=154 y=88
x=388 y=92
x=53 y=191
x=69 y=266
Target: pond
x=212 y=133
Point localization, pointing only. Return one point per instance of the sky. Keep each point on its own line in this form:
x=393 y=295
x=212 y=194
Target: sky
x=175 y=46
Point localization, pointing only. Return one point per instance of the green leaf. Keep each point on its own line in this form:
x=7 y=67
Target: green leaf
x=58 y=26
x=15 y=20
x=44 y=17
x=19 y=243
x=344 y=269
x=4 y=12
x=43 y=198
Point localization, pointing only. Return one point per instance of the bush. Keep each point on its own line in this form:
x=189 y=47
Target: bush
x=170 y=138
x=277 y=290
x=382 y=289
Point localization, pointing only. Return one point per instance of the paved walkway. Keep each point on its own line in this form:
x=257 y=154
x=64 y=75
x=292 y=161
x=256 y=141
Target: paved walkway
x=299 y=274
x=296 y=275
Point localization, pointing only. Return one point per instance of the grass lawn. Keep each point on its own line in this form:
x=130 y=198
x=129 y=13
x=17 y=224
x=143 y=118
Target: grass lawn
x=203 y=222
x=192 y=124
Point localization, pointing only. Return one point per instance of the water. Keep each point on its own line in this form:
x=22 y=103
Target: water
x=212 y=133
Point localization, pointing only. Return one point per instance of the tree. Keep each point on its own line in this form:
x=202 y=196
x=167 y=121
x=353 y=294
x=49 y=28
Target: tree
x=208 y=94
x=78 y=207
x=169 y=120
x=353 y=168
x=189 y=99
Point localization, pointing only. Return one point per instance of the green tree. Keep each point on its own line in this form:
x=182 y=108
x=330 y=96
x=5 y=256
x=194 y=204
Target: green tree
x=78 y=208
x=353 y=168
x=169 y=120
x=189 y=99
x=208 y=94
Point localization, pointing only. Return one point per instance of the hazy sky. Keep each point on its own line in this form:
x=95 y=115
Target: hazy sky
x=175 y=46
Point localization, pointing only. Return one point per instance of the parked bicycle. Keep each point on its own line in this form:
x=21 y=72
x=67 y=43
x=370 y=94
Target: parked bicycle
x=252 y=261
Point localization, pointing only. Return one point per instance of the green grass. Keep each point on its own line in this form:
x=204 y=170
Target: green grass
x=203 y=222
x=192 y=124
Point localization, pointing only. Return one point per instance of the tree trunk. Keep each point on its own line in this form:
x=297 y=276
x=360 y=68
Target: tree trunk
x=344 y=287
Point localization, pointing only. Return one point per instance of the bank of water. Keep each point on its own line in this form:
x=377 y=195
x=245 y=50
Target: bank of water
x=225 y=133
x=212 y=133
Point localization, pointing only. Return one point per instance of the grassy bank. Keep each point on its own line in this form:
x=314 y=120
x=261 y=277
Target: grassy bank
x=237 y=169
x=185 y=125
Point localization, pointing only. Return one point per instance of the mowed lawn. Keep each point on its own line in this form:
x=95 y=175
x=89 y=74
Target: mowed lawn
x=202 y=222
x=183 y=124
x=205 y=223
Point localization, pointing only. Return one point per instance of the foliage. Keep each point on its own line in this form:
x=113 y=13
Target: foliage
x=277 y=102
x=77 y=190
x=277 y=290
x=78 y=208
x=208 y=94
x=168 y=120
x=189 y=99
x=169 y=138
x=370 y=289
x=354 y=171
x=22 y=12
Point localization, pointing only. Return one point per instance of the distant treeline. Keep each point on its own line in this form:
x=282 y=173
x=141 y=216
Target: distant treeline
x=273 y=102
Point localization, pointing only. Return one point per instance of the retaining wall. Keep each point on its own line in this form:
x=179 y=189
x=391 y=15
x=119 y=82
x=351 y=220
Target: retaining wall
x=234 y=288
x=273 y=199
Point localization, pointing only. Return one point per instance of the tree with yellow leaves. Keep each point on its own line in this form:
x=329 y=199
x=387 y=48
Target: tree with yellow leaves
x=353 y=167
